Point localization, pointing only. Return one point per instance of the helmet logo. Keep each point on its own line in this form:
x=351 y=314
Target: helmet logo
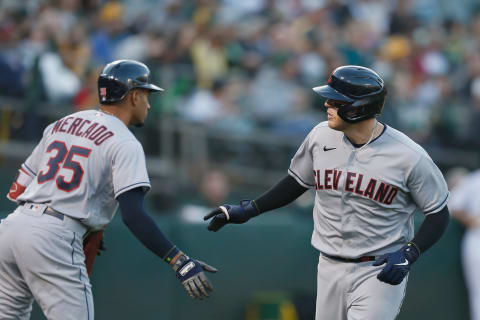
x=103 y=93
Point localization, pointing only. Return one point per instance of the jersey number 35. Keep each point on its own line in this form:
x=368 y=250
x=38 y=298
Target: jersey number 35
x=64 y=158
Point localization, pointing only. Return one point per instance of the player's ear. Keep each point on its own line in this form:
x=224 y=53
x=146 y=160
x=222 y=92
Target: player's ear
x=135 y=97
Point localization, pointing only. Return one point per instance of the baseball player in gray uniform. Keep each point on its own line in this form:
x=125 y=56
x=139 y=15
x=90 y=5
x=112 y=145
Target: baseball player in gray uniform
x=84 y=167
x=465 y=207
x=369 y=180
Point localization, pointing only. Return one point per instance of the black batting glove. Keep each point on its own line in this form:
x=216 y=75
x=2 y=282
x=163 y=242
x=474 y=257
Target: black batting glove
x=232 y=214
x=397 y=264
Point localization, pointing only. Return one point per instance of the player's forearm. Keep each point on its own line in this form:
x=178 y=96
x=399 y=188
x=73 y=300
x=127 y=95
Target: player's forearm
x=141 y=224
x=281 y=194
x=431 y=229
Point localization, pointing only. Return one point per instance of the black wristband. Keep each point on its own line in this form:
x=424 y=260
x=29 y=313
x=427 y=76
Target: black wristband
x=412 y=244
x=170 y=254
x=254 y=204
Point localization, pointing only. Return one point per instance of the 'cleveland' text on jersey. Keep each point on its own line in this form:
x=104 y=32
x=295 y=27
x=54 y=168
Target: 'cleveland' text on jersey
x=355 y=182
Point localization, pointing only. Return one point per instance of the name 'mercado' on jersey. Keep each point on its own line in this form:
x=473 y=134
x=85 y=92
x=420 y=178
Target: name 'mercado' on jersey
x=365 y=199
x=82 y=164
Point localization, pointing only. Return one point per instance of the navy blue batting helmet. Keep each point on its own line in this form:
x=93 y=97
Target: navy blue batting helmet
x=121 y=76
x=361 y=90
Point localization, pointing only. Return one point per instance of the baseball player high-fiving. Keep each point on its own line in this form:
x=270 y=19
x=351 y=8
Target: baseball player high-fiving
x=369 y=180
x=84 y=166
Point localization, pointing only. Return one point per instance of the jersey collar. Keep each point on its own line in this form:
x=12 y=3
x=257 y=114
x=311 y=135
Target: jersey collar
x=357 y=146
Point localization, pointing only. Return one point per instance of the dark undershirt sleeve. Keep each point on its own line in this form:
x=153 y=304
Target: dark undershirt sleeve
x=431 y=229
x=141 y=224
x=281 y=194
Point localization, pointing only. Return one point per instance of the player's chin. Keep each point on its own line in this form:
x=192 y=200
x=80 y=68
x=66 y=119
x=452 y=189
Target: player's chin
x=138 y=121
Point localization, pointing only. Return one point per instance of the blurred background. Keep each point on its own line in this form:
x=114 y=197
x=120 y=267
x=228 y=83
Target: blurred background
x=238 y=103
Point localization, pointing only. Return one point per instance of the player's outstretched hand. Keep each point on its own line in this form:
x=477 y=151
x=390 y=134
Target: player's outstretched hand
x=191 y=274
x=231 y=214
x=398 y=264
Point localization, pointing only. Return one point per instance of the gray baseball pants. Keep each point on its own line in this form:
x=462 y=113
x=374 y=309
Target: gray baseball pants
x=41 y=258
x=351 y=291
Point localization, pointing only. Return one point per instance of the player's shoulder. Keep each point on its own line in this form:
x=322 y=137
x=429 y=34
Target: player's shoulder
x=82 y=113
x=404 y=143
x=120 y=130
x=322 y=126
x=86 y=114
x=323 y=129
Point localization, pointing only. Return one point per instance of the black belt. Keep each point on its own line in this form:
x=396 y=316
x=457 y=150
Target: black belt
x=73 y=224
x=54 y=213
x=356 y=260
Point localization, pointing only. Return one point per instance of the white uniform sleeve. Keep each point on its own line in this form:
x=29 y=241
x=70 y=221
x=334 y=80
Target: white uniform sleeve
x=129 y=170
x=427 y=186
x=32 y=164
x=301 y=166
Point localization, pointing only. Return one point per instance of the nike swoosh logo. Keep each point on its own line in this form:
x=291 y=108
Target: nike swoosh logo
x=328 y=149
x=405 y=263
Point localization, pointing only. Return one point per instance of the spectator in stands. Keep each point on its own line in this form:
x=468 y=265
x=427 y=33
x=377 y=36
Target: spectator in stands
x=213 y=188
x=109 y=32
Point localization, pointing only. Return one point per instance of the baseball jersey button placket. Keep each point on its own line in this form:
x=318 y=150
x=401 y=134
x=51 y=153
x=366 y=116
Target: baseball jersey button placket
x=345 y=217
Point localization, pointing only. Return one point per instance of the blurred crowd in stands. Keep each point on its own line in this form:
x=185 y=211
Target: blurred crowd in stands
x=242 y=65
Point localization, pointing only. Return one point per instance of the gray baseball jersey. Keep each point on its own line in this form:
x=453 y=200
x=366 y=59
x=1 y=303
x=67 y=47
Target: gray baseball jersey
x=82 y=163
x=366 y=197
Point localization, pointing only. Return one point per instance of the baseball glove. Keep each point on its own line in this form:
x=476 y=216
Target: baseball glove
x=92 y=247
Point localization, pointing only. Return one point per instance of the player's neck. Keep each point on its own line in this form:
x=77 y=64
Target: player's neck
x=116 y=111
x=363 y=132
